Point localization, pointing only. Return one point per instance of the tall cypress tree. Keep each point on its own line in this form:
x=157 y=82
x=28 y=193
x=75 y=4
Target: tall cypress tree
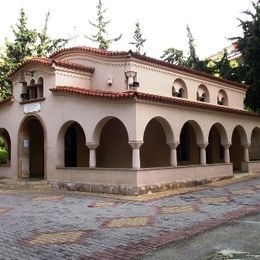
x=138 y=38
x=101 y=25
x=27 y=43
x=249 y=46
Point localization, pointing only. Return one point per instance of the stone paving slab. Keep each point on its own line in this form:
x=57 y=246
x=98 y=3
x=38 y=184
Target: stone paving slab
x=71 y=225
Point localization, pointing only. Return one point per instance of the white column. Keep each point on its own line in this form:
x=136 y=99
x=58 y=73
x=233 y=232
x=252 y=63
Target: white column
x=226 y=152
x=246 y=152
x=203 y=160
x=173 y=159
x=136 y=164
x=92 y=154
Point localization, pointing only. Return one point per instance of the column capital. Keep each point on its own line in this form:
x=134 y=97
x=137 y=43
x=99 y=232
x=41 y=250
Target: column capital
x=135 y=144
x=226 y=146
x=91 y=145
x=202 y=145
x=173 y=145
x=246 y=145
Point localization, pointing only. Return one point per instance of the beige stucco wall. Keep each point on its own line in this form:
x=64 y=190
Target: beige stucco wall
x=57 y=111
x=153 y=79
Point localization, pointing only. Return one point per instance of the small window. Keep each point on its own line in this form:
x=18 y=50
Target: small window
x=202 y=94
x=33 y=90
x=222 y=98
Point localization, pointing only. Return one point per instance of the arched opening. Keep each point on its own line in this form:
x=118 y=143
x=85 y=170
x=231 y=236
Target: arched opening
x=76 y=153
x=222 y=98
x=31 y=150
x=32 y=89
x=255 y=145
x=114 y=150
x=154 y=152
x=236 y=148
x=179 y=89
x=214 y=149
x=203 y=94
x=40 y=87
x=188 y=152
x=5 y=147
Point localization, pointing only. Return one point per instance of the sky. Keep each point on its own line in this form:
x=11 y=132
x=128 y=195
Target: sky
x=163 y=23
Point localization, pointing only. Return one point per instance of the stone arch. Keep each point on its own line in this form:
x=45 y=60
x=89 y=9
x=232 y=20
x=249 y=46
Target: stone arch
x=31 y=147
x=155 y=152
x=216 y=139
x=203 y=93
x=239 y=138
x=71 y=145
x=179 y=88
x=255 y=144
x=191 y=136
x=222 y=98
x=113 y=150
x=5 y=146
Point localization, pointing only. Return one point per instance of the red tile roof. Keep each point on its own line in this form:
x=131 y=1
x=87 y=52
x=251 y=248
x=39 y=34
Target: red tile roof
x=50 y=62
x=150 y=60
x=148 y=97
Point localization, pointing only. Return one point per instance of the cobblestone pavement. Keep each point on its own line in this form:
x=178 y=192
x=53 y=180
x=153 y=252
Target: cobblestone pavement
x=70 y=225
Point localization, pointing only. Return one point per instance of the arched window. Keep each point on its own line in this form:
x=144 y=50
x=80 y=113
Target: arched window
x=179 y=89
x=202 y=94
x=32 y=89
x=222 y=98
x=40 y=87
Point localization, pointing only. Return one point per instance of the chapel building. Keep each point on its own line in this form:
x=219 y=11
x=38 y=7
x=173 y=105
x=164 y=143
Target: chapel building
x=120 y=122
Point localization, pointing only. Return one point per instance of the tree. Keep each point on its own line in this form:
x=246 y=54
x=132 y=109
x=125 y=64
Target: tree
x=173 y=56
x=193 y=60
x=249 y=46
x=47 y=45
x=138 y=38
x=27 y=43
x=101 y=36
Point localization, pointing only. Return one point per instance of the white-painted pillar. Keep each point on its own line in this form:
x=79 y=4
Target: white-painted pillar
x=173 y=158
x=203 y=159
x=246 y=152
x=92 y=154
x=226 y=153
x=136 y=163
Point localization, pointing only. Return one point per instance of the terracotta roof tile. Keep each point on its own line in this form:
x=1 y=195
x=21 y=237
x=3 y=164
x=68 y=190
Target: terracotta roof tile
x=149 y=60
x=149 y=97
x=50 y=62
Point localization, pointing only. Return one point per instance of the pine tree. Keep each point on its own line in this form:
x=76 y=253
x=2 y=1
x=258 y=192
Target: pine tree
x=101 y=36
x=138 y=38
x=193 y=60
x=47 y=45
x=173 y=56
x=249 y=46
x=27 y=43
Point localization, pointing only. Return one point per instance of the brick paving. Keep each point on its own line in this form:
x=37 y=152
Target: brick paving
x=71 y=225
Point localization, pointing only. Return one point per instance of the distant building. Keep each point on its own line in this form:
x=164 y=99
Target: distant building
x=232 y=52
x=120 y=122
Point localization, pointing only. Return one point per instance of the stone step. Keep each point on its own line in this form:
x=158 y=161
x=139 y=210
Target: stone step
x=13 y=184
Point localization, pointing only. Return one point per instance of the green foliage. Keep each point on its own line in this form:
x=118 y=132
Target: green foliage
x=225 y=68
x=173 y=56
x=47 y=45
x=249 y=46
x=27 y=43
x=3 y=152
x=138 y=38
x=101 y=36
